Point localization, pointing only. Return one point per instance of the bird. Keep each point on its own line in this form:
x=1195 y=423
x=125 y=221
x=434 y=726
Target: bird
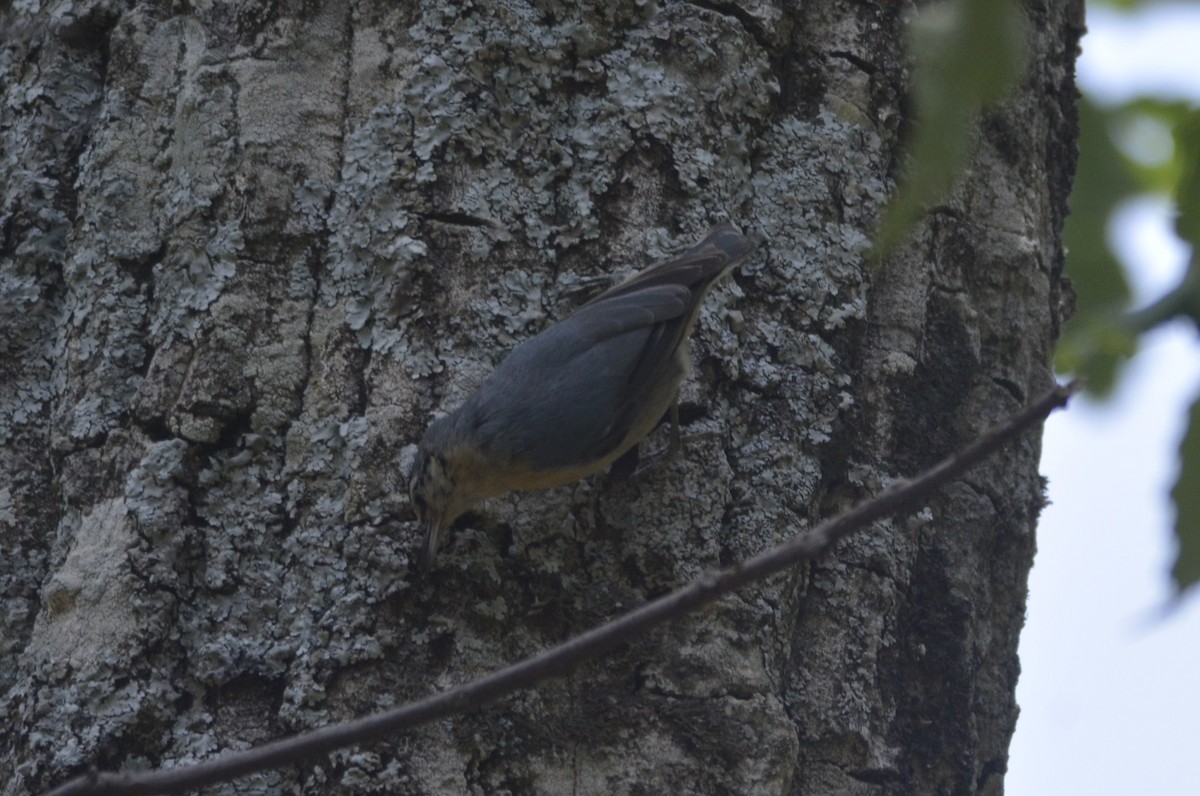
x=574 y=398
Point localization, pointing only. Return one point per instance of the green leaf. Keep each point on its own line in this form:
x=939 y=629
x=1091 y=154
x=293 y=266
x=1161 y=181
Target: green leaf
x=1186 y=495
x=1187 y=191
x=1146 y=113
x=1102 y=335
x=968 y=54
x=1102 y=181
x=1124 y=3
x=1095 y=348
x=1094 y=342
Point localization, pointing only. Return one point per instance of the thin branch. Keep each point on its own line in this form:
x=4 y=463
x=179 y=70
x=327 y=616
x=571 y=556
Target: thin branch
x=563 y=658
x=1180 y=300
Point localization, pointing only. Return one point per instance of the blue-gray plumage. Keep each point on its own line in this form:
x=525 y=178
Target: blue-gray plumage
x=574 y=398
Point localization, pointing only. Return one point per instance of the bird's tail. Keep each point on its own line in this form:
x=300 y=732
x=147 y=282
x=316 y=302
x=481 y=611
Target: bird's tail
x=724 y=248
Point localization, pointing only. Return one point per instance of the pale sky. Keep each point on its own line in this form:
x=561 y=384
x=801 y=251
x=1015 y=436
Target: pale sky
x=1109 y=691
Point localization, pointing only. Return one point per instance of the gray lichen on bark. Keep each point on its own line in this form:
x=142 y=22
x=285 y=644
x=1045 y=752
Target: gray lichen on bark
x=248 y=251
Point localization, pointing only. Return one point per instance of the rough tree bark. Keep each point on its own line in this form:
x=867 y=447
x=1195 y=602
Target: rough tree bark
x=247 y=250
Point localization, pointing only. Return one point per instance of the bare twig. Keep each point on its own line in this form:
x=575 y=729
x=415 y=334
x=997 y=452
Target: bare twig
x=566 y=656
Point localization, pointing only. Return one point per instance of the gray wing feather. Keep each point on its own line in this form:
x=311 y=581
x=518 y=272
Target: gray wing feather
x=558 y=398
x=571 y=394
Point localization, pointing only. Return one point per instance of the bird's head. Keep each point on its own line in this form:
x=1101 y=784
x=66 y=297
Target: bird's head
x=442 y=485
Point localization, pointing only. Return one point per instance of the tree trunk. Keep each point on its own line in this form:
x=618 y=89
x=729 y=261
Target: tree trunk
x=249 y=251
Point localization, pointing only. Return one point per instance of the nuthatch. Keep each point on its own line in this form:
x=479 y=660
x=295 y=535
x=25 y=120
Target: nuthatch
x=571 y=400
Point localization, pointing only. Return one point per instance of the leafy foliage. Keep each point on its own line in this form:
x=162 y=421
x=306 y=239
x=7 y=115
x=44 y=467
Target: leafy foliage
x=1091 y=344
x=1105 y=332
x=1186 y=570
x=967 y=53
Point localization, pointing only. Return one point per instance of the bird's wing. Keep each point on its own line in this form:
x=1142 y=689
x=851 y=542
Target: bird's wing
x=625 y=342
x=608 y=316
x=564 y=398
x=647 y=350
x=572 y=394
x=687 y=277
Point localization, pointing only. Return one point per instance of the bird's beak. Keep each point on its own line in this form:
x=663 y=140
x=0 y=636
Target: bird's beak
x=433 y=528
